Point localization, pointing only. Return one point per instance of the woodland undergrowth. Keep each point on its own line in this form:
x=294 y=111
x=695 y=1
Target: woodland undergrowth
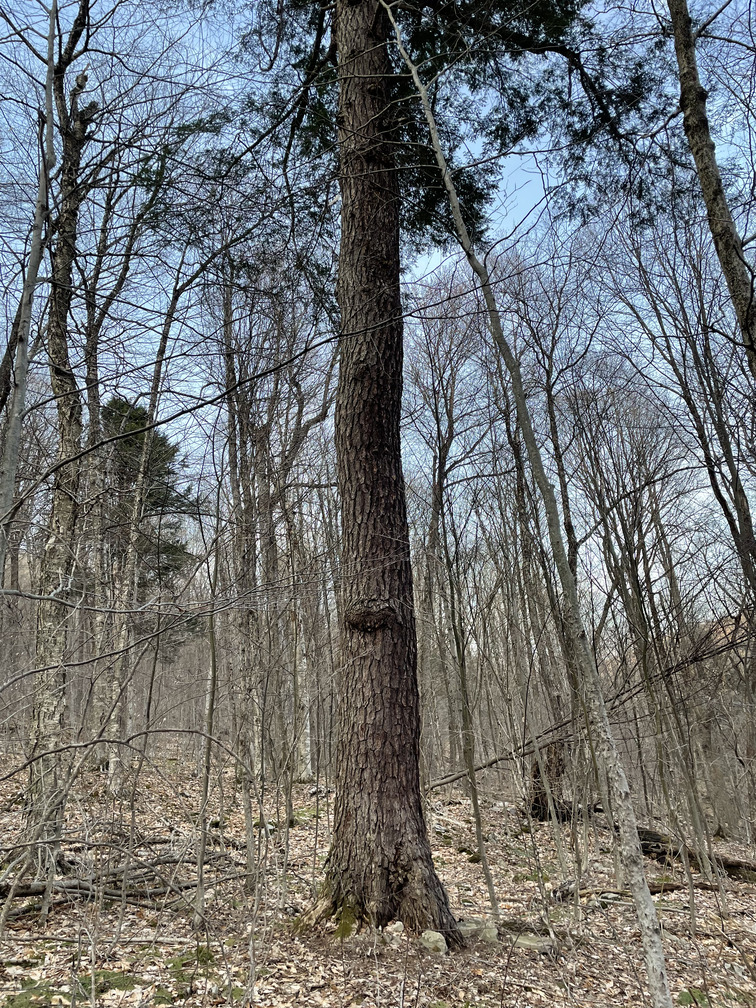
x=121 y=924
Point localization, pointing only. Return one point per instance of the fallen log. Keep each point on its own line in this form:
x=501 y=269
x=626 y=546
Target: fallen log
x=666 y=848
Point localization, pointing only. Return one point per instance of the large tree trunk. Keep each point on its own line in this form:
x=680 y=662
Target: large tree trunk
x=380 y=865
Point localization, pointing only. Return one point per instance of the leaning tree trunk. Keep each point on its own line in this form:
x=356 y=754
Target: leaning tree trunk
x=380 y=866
x=14 y=368
x=727 y=241
x=630 y=847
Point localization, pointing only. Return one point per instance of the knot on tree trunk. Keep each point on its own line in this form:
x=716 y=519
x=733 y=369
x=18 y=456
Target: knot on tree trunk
x=372 y=614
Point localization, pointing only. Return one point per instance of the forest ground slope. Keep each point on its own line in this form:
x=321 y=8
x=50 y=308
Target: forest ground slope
x=119 y=929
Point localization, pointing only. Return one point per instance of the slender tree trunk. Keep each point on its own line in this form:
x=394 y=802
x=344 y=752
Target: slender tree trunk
x=380 y=866
x=47 y=776
x=632 y=856
x=117 y=687
x=15 y=365
x=738 y=273
x=199 y=921
x=468 y=729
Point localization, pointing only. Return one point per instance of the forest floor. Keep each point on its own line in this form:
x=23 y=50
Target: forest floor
x=98 y=947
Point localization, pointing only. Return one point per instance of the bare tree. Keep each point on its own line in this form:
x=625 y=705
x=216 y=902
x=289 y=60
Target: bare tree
x=632 y=856
x=737 y=269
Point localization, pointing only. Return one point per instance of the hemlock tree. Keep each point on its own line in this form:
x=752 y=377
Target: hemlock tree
x=159 y=543
x=380 y=865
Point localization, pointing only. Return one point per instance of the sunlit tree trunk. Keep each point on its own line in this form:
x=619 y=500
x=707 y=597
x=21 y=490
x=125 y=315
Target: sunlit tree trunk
x=15 y=364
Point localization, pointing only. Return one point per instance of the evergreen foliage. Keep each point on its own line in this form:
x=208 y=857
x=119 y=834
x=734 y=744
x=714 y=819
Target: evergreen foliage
x=161 y=543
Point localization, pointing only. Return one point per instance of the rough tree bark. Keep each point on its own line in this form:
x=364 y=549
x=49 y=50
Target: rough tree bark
x=380 y=865
x=727 y=241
